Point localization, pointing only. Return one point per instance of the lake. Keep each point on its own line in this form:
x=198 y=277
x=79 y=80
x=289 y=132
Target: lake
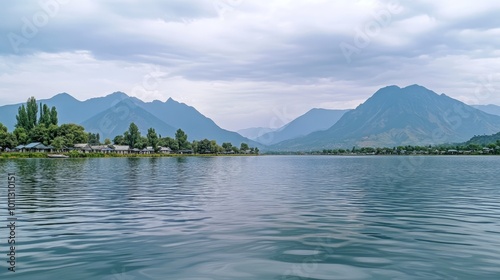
x=265 y=217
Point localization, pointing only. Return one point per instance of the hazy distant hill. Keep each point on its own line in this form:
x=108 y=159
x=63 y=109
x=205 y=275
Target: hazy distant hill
x=116 y=120
x=395 y=116
x=490 y=109
x=484 y=139
x=111 y=115
x=69 y=109
x=195 y=124
x=254 y=132
x=314 y=120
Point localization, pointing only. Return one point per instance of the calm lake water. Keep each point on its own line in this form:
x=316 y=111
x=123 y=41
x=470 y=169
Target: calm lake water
x=267 y=217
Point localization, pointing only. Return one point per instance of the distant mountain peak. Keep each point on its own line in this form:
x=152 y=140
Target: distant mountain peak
x=63 y=95
x=172 y=101
x=118 y=94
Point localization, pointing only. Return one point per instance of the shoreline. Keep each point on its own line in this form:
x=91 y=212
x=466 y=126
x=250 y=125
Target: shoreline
x=109 y=155
x=26 y=155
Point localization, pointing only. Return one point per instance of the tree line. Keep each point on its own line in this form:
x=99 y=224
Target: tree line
x=39 y=123
x=132 y=138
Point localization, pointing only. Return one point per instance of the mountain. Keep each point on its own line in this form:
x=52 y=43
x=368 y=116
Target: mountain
x=484 y=139
x=69 y=109
x=111 y=115
x=314 y=120
x=195 y=124
x=490 y=109
x=396 y=116
x=116 y=120
x=254 y=132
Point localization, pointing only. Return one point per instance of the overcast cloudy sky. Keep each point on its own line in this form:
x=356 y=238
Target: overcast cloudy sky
x=249 y=63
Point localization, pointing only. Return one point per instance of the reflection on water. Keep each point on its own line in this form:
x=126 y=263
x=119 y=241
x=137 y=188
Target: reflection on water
x=256 y=218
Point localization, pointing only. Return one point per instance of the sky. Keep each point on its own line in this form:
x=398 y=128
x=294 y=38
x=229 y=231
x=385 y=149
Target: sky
x=249 y=63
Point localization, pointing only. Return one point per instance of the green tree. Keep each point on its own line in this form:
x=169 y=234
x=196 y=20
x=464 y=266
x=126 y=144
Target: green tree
x=204 y=146
x=40 y=133
x=244 y=147
x=107 y=141
x=181 y=138
x=227 y=146
x=72 y=133
x=53 y=116
x=21 y=135
x=7 y=140
x=169 y=142
x=31 y=111
x=58 y=143
x=132 y=136
x=94 y=138
x=214 y=148
x=152 y=138
x=119 y=140
x=44 y=115
x=22 y=118
x=142 y=143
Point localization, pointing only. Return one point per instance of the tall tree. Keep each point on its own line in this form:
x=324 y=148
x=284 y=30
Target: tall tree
x=244 y=147
x=73 y=133
x=53 y=116
x=44 y=115
x=181 y=138
x=32 y=111
x=133 y=136
x=22 y=118
x=152 y=138
x=227 y=146
x=7 y=140
x=21 y=135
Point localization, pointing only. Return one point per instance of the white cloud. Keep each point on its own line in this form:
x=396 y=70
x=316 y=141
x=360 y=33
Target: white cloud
x=271 y=56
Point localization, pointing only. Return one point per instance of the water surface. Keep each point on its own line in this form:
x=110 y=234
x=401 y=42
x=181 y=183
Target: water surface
x=266 y=217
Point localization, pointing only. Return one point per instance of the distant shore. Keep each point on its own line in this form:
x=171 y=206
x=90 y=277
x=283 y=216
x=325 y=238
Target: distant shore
x=17 y=155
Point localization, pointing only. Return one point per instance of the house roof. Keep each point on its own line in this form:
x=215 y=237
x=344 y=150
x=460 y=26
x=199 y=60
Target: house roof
x=19 y=147
x=81 y=145
x=32 y=145
x=165 y=149
x=99 y=147
x=121 y=147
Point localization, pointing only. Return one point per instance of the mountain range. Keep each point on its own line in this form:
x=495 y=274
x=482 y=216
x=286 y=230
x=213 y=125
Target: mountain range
x=111 y=115
x=314 y=120
x=490 y=109
x=396 y=116
x=392 y=116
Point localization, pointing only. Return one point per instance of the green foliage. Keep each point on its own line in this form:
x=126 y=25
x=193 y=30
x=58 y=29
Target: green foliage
x=58 y=142
x=181 y=138
x=244 y=147
x=152 y=138
x=94 y=138
x=45 y=115
x=204 y=147
x=73 y=134
x=227 y=146
x=132 y=136
x=7 y=140
x=39 y=133
x=22 y=118
x=53 y=116
x=21 y=135
x=119 y=140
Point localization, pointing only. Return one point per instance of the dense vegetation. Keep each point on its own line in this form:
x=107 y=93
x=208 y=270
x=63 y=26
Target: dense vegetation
x=40 y=124
x=455 y=149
